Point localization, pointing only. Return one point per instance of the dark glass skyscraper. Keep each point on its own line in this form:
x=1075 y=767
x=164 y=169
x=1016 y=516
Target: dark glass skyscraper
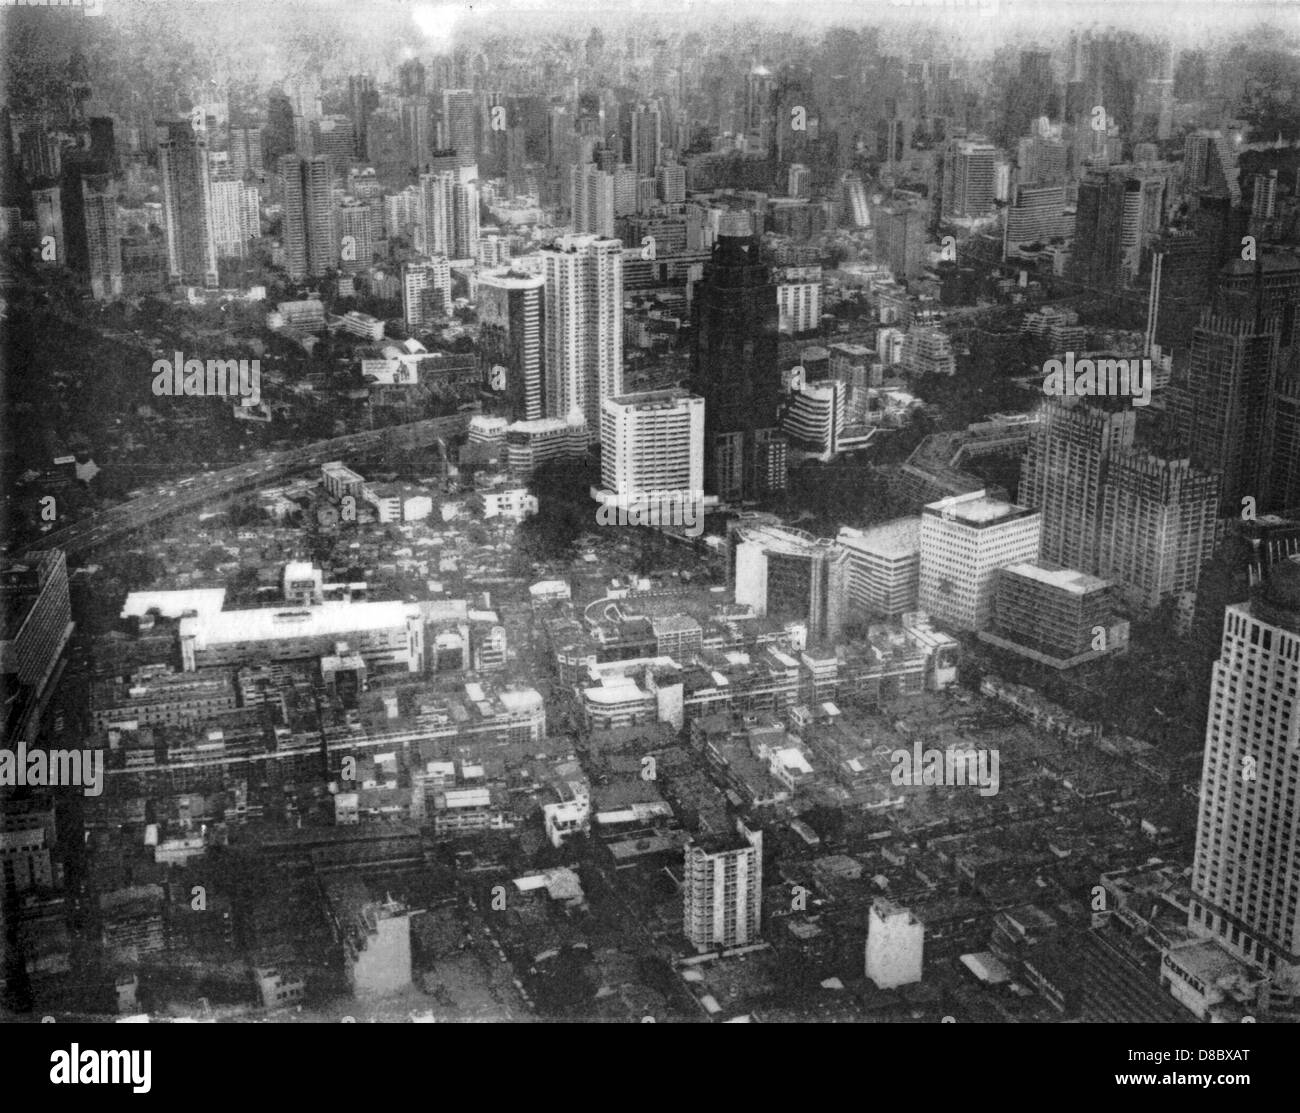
x=278 y=135
x=1221 y=398
x=1098 y=256
x=363 y=99
x=187 y=205
x=735 y=371
x=512 y=316
x=1284 y=483
x=77 y=165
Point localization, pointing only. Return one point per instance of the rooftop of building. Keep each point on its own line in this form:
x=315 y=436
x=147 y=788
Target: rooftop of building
x=202 y=615
x=408 y=490
x=358 y=904
x=572 y=243
x=1270 y=262
x=459 y=703
x=654 y=605
x=899 y=538
x=549 y=587
x=855 y=351
x=785 y=539
x=510 y=279
x=339 y=469
x=614 y=690
x=977 y=509
x=887 y=909
x=174 y=604
x=673 y=624
x=721 y=842
x=1278 y=599
x=821 y=390
x=1064 y=579
x=560 y=883
x=545 y=425
x=21 y=582
x=1208 y=961
x=655 y=399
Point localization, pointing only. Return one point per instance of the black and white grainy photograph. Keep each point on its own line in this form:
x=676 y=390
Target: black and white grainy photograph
x=569 y=512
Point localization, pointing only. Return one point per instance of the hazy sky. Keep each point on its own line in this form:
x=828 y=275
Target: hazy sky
x=1189 y=22
x=241 y=39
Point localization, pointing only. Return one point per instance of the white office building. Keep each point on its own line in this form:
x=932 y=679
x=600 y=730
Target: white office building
x=814 y=416
x=530 y=444
x=515 y=503
x=723 y=889
x=583 y=326
x=788 y=574
x=895 y=945
x=652 y=448
x=965 y=539
x=799 y=305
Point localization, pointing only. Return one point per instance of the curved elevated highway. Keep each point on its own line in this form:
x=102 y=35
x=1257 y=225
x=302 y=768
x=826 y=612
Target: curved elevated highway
x=108 y=526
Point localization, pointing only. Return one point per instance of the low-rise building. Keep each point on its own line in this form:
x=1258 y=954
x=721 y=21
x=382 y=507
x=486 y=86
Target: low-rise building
x=1056 y=616
x=515 y=503
x=884 y=567
x=157 y=694
x=529 y=444
x=340 y=480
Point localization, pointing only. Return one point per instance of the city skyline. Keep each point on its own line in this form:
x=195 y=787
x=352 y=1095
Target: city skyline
x=790 y=519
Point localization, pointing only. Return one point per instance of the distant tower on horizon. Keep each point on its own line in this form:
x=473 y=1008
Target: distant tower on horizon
x=460 y=112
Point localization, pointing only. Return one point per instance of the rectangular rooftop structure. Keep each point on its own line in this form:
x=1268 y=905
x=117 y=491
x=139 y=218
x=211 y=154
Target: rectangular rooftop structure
x=977 y=509
x=1064 y=579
